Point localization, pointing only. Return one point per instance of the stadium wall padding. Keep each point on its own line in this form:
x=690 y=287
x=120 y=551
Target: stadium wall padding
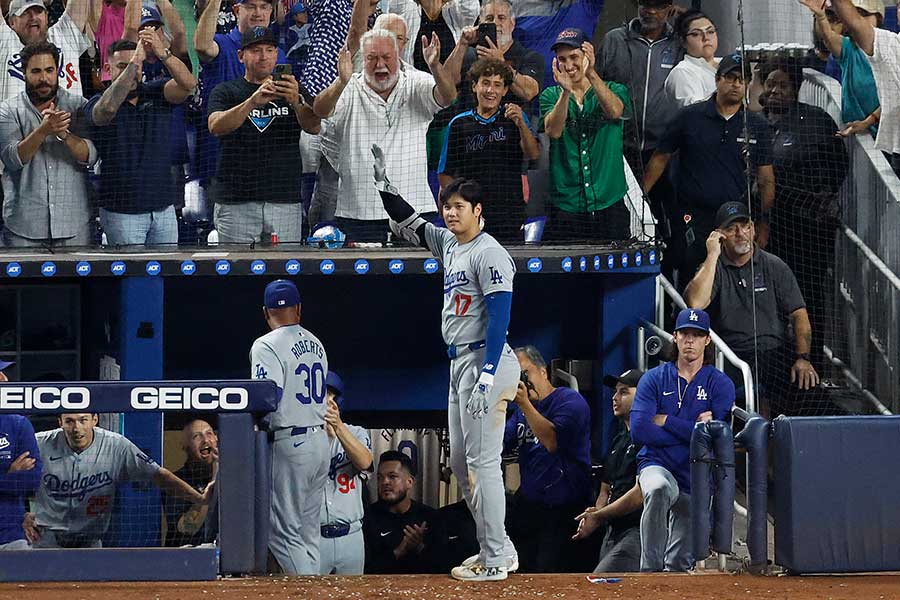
x=836 y=491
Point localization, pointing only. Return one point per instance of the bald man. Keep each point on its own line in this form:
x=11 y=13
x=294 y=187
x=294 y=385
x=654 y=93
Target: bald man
x=186 y=523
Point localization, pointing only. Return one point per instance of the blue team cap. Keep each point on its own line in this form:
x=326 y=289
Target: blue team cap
x=4 y=364
x=281 y=293
x=570 y=36
x=150 y=16
x=298 y=8
x=334 y=381
x=692 y=318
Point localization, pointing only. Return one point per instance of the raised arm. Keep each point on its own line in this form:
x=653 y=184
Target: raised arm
x=445 y=85
x=698 y=293
x=328 y=98
x=359 y=23
x=204 y=36
x=80 y=10
x=531 y=148
x=176 y=28
x=106 y=108
x=132 y=20
x=183 y=82
x=170 y=483
x=223 y=122
x=832 y=40
x=405 y=221
x=455 y=61
x=860 y=30
x=612 y=105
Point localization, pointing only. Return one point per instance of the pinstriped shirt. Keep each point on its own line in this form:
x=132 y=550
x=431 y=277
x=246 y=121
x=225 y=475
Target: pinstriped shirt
x=46 y=198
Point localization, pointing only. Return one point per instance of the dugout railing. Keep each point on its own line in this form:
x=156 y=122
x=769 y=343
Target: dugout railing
x=242 y=486
x=868 y=261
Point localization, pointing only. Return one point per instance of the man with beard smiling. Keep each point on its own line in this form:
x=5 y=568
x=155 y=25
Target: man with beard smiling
x=28 y=25
x=43 y=159
x=737 y=278
x=389 y=106
x=187 y=523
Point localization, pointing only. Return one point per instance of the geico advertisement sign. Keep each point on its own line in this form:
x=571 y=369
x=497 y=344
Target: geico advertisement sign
x=142 y=398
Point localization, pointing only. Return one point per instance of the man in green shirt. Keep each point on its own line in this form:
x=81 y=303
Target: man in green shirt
x=584 y=116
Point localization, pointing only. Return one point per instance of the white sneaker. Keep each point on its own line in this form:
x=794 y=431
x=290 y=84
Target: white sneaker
x=512 y=562
x=478 y=572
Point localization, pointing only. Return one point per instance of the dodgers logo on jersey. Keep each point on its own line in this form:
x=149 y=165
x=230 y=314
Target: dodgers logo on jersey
x=496 y=276
x=701 y=393
x=338 y=461
x=455 y=279
x=263 y=117
x=4 y=442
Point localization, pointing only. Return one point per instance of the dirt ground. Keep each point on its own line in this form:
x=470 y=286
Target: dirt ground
x=518 y=587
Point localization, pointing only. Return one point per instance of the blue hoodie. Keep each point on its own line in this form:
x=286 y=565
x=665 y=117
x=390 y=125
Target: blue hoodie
x=16 y=437
x=658 y=393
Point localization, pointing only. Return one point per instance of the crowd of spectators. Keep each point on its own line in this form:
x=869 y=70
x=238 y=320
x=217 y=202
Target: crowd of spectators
x=447 y=90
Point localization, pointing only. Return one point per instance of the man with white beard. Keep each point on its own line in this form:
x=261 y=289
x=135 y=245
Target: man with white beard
x=737 y=278
x=391 y=107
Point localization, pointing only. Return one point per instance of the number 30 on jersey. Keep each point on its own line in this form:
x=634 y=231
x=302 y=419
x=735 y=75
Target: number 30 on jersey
x=312 y=383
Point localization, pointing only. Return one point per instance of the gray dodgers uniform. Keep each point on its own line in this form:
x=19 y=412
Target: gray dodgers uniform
x=295 y=360
x=75 y=499
x=342 y=549
x=471 y=272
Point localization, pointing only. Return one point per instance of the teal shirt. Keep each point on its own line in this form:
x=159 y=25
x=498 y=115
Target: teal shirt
x=859 y=96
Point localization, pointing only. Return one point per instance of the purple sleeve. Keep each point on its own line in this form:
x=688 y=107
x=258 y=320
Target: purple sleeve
x=568 y=416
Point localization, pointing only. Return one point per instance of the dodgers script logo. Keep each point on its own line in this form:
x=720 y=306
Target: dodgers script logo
x=263 y=117
x=78 y=487
x=68 y=72
x=338 y=461
x=454 y=279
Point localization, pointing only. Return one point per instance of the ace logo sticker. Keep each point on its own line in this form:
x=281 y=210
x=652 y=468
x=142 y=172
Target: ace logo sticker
x=262 y=118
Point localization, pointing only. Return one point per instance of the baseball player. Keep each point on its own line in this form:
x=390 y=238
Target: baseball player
x=484 y=372
x=20 y=474
x=83 y=463
x=295 y=360
x=342 y=550
x=669 y=400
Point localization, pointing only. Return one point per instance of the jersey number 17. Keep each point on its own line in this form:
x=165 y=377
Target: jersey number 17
x=312 y=382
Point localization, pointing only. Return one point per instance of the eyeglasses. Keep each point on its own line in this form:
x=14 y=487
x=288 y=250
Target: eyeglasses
x=697 y=33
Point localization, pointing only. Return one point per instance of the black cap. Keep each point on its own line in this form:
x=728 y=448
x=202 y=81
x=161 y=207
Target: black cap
x=655 y=2
x=629 y=378
x=258 y=35
x=730 y=212
x=570 y=36
x=733 y=62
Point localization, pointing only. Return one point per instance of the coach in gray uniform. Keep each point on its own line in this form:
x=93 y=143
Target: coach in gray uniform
x=295 y=360
x=342 y=550
x=82 y=465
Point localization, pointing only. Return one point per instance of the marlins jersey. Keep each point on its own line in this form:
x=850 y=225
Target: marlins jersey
x=471 y=272
x=343 y=490
x=295 y=360
x=77 y=489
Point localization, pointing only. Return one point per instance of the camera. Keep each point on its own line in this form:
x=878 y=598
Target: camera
x=523 y=377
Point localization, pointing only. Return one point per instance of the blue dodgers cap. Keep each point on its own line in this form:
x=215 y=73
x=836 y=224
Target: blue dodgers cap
x=570 y=36
x=297 y=9
x=4 y=364
x=150 y=16
x=334 y=381
x=281 y=293
x=692 y=318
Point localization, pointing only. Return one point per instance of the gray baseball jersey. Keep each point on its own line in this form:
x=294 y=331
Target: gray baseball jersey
x=343 y=491
x=77 y=489
x=471 y=272
x=295 y=360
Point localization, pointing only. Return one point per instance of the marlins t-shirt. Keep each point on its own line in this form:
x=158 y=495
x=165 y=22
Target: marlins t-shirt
x=65 y=35
x=260 y=160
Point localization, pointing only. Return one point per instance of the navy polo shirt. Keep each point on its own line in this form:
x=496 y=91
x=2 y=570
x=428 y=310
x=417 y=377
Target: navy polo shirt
x=135 y=149
x=711 y=166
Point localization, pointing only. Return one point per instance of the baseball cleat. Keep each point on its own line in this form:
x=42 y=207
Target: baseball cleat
x=478 y=572
x=512 y=562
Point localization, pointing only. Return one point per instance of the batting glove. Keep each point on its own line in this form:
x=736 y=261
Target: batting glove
x=477 y=406
x=382 y=183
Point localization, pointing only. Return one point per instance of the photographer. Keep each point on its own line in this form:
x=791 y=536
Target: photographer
x=550 y=427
